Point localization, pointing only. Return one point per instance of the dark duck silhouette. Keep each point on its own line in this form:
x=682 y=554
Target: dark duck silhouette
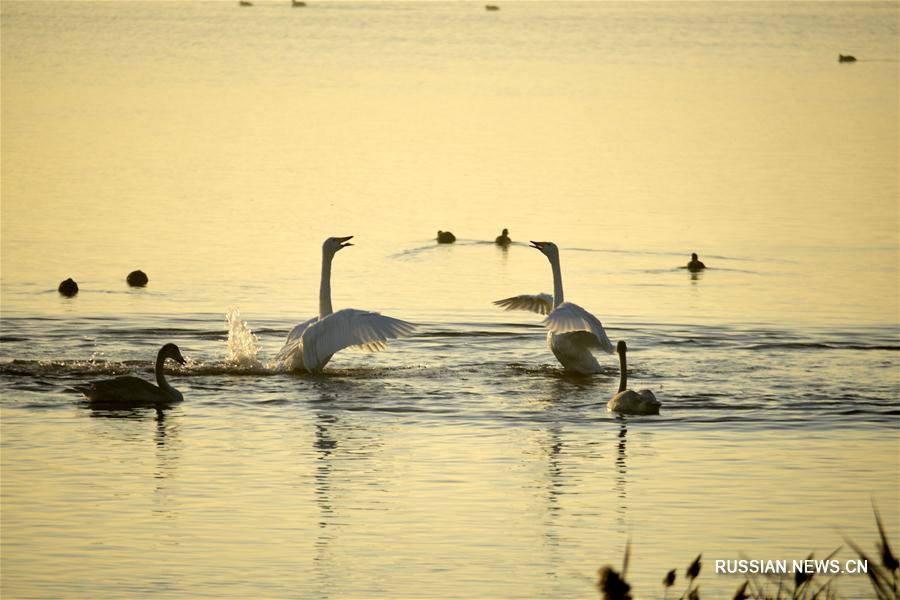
x=503 y=238
x=137 y=278
x=445 y=237
x=68 y=288
x=695 y=264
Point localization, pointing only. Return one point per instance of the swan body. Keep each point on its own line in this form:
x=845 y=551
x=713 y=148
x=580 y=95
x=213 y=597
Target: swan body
x=627 y=401
x=503 y=238
x=573 y=331
x=135 y=392
x=311 y=344
x=445 y=237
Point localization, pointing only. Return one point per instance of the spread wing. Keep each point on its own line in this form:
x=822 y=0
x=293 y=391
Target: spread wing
x=293 y=344
x=568 y=317
x=350 y=327
x=542 y=304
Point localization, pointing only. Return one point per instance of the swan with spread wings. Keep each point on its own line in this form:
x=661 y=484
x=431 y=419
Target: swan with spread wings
x=573 y=331
x=311 y=344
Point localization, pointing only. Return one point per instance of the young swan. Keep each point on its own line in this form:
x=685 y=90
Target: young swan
x=130 y=392
x=629 y=402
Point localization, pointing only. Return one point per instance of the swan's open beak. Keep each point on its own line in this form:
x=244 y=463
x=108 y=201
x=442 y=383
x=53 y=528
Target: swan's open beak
x=343 y=241
x=538 y=245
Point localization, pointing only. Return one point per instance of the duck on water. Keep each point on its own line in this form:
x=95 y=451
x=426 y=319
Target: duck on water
x=134 y=392
x=696 y=264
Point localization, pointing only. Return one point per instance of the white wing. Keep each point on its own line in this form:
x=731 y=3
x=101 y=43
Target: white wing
x=349 y=327
x=542 y=304
x=293 y=344
x=568 y=317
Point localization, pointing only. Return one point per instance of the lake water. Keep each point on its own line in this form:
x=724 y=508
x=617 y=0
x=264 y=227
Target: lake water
x=216 y=146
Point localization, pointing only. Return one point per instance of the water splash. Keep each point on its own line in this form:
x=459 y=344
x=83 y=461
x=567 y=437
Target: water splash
x=243 y=346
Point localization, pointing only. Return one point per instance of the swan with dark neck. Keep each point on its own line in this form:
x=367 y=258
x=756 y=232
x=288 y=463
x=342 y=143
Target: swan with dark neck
x=627 y=401
x=129 y=392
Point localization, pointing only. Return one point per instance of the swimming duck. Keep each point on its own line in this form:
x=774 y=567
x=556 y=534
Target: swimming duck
x=445 y=237
x=846 y=58
x=503 y=238
x=137 y=278
x=629 y=402
x=695 y=264
x=68 y=288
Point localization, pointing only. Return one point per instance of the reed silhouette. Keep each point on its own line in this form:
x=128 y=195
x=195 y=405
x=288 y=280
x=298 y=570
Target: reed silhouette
x=883 y=573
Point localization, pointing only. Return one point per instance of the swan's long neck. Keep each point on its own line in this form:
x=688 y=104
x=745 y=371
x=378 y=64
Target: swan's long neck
x=325 y=287
x=161 y=375
x=623 y=372
x=557 y=282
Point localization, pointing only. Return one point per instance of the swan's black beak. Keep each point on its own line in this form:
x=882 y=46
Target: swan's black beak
x=538 y=245
x=343 y=241
x=180 y=360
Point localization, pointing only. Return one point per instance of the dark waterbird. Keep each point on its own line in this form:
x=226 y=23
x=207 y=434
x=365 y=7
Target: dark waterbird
x=503 y=238
x=491 y=7
x=137 y=278
x=68 y=288
x=445 y=237
x=695 y=265
x=846 y=58
x=132 y=392
x=297 y=3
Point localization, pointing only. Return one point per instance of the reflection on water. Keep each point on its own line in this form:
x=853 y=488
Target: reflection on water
x=621 y=472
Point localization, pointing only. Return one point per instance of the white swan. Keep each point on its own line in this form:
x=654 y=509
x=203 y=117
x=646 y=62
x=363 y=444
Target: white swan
x=573 y=330
x=133 y=391
x=311 y=344
x=629 y=402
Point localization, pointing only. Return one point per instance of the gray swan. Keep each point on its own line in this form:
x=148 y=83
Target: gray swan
x=629 y=402
x=131 y=391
